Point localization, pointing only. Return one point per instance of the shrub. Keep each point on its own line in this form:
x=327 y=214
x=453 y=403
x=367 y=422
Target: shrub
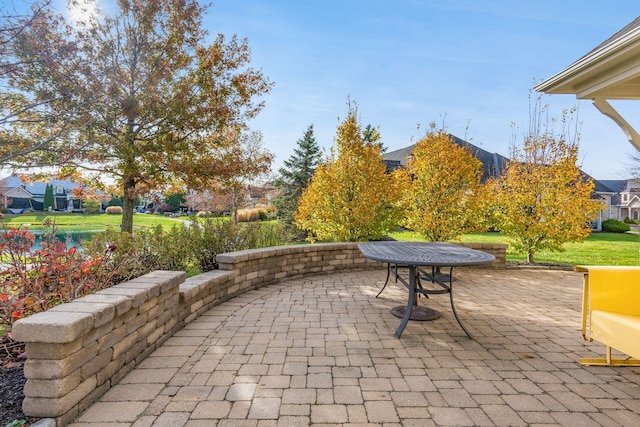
x=131 y=256
x=115 y=201
x=32 y=281
x=615 y=226
x=214 y=236
x=262 y=213
x=92 y=206
x=248 y=215
x=114 y=210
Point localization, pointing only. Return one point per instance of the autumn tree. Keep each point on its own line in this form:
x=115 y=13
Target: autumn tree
x=29 y=121
x=152 y=101
x=240 y=159
x=441 y=196
x=544 y=198
x=350 y=197
x=296 y=174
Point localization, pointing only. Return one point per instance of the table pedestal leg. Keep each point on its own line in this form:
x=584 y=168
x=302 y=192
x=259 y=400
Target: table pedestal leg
x=412 y=311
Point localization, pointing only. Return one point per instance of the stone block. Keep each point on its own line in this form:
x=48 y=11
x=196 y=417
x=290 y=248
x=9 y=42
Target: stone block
x=132 y=352
x=147 y=329
x=106 y=375
x=96 y=364
x=164 y=317
x=102 y=312
x=96 y=333
x=148 y=305
x=121 y=347
x=137 y=296
x=37 y=350
x=52 y=388
x=152 y=288
x=44 y=407
x=137 y=322
x=121 y=303
x=52 y=327
x=51 y=369
x=110 y=339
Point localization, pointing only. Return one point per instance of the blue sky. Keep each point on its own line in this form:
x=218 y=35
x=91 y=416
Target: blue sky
x=465 y=63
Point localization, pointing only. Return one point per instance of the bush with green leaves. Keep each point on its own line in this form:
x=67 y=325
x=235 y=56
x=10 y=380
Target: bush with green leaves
x=615 y=226
x=115 y=201
x=628 y=220
x=213 y=236
x=92 y=206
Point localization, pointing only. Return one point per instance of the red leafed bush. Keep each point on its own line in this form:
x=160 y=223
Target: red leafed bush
x=34 y=280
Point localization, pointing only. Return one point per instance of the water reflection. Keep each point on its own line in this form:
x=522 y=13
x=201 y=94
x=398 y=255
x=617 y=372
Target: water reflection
x=70 y=238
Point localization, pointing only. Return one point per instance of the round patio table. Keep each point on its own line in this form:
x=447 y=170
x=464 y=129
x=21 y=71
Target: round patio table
x=414 y=255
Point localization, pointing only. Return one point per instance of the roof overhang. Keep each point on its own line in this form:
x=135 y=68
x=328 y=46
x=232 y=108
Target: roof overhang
x=609 y=72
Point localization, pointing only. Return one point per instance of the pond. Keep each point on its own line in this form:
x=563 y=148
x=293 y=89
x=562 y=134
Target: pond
x=71 y=238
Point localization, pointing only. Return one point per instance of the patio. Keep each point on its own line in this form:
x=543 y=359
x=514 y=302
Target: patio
x=320 y=350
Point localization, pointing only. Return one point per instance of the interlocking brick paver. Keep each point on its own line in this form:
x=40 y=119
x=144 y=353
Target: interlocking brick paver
x=171 y=419
x=113 y=412
x=450 y=416
x=381 y=412
x=265 y=408
x=321 y=350
x=503 y=415
x=329 y=414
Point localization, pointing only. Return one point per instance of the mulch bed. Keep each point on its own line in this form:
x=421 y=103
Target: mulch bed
x=12 y=380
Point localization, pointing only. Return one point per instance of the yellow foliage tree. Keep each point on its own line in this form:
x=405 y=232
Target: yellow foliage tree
x=544 y=199
x=440 y=199
x=350 y=197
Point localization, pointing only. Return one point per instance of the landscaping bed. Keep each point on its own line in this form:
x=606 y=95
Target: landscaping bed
x=12 y=382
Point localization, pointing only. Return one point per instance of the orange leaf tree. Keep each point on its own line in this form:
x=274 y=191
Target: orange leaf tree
x=440 y=198
x=350 y=197
x=544 y=199
x=150 y=92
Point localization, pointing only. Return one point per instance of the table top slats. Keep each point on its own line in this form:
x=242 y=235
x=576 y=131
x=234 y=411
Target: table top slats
x=434 y=254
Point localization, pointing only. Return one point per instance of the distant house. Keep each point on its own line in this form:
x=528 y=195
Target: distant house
x=492 y=163
x=620 y=198
x=625 y=203
x=18 y=196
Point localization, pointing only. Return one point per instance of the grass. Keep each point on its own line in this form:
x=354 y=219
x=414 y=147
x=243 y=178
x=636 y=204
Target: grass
x=67 y=222
x=597 y=249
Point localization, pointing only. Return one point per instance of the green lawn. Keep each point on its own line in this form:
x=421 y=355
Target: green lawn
x=597 y=249
x=82 y=222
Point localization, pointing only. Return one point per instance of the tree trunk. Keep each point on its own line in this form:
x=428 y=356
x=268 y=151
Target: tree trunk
x=128 y=205
x=530 y=257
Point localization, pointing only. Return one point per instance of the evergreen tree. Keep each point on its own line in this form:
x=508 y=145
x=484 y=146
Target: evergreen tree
x=49 y=202
x=351 y=198
x=295 y=175
x=371 y=135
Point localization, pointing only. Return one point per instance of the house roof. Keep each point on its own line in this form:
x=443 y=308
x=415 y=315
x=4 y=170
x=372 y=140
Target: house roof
x=616 y=185
x=610 y=71
x=492 y=163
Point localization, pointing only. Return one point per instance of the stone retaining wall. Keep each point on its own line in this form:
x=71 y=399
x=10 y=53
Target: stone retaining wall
x=77 y=351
